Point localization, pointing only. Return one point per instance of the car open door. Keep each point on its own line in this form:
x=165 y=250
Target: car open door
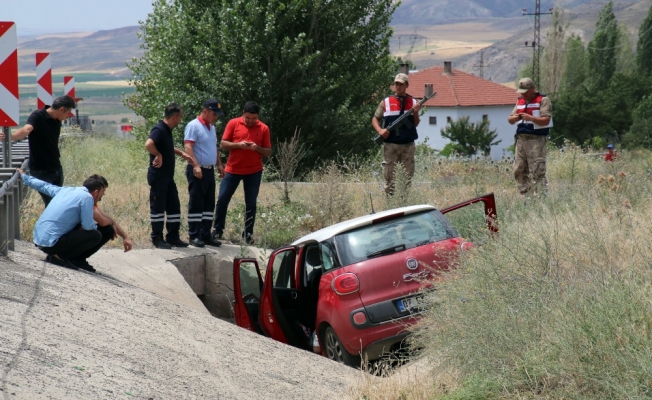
x=469 y=219
x=282 y=315
x=247 y=288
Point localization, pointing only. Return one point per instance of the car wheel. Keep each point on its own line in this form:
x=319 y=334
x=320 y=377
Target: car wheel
x=335 y=350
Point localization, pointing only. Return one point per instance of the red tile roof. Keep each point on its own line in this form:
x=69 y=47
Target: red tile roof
x=459 y=89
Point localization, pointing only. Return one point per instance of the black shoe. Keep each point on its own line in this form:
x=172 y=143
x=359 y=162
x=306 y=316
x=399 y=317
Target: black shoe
x=177 y=242
x=83 y=264
x=197 y=242
x=159 y=243
x=211 y=241
x=216 y=236
x=249 y=240
x=62 y=262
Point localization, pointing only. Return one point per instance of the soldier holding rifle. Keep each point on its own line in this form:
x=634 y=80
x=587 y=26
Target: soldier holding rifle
x=399 y=144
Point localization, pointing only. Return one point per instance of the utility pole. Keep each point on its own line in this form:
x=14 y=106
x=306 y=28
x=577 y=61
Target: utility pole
x=482 y=65
x=536 y=43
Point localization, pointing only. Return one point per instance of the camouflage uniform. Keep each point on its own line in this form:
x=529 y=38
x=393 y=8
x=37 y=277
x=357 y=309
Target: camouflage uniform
x=394 y=153
x=530 y=156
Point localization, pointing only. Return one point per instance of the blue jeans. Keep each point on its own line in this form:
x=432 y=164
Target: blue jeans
x=228 y=186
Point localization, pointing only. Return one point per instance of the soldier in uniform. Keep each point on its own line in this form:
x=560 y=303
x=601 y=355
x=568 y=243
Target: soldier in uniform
x=532 y=114
x=399 y=145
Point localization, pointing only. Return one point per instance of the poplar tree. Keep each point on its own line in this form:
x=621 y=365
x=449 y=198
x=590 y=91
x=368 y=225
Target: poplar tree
x=315 y=66
x=575 y=70
x=644 y=45
x=602 y=49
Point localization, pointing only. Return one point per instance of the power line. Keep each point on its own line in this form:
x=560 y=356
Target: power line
x=589 y=47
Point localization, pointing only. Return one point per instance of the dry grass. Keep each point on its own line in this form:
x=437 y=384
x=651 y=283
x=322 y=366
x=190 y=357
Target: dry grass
x=557 y=307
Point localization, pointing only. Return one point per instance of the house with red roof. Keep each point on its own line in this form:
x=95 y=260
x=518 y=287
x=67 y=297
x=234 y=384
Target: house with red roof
x=460 y=94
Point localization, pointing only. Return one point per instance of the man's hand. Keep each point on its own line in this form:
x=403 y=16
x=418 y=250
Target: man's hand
x=247 y=145
x=416 y=108
x=127 y=244
x=20 y=172
x=220 y=170
x=186 y=157
x=384 y=133
x=2 y=135
x=158 y=161
x=196 y=171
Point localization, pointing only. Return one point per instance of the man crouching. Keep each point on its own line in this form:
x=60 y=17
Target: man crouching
x=66 y=231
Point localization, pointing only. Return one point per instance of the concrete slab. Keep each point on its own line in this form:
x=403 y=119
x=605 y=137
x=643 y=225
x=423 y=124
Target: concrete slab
x=74 y=335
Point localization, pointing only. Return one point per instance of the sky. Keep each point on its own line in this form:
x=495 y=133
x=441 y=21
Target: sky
x=36 y=17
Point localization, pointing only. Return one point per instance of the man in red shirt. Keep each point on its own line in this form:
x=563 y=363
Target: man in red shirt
x=247 y=140
x=611 y=153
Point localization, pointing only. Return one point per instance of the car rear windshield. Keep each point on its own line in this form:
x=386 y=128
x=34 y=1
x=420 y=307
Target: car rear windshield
x=394 y=235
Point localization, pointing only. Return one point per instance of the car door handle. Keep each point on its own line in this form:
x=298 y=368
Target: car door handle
x=294 y=295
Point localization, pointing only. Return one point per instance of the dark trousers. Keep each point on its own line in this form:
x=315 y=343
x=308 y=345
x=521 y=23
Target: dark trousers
x=80 y=244
x=163 y=199
x=200 y=203
x=54 y=177
x=228 y=186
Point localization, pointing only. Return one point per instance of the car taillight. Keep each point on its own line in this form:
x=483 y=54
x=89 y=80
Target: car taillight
x=346 y=283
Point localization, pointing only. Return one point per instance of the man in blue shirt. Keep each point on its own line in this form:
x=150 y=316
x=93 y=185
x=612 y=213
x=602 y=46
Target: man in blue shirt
x=66 y=231
x=200 y=143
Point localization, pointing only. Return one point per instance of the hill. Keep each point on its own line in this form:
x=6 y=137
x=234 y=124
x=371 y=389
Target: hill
x=447 y=11
x=450 y=31
x=102 y=51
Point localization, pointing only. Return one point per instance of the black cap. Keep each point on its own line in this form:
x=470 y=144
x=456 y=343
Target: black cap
x=213 y=105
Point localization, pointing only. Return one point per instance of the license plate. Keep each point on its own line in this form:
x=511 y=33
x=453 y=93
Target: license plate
x=411 y=304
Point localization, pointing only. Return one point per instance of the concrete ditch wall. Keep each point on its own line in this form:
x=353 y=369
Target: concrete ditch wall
x=210 y=275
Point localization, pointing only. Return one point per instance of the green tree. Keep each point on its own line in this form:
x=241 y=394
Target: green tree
x=554 y=55
x=602 y=49
x=575 y=69
x=644 y=45
x=640 y=133
x=625 y=57
x=317 y=66
x=470 y=137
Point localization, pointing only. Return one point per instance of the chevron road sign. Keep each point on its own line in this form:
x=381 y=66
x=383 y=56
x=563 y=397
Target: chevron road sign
x=43 y=80
x=9 y=106
x=69 y=89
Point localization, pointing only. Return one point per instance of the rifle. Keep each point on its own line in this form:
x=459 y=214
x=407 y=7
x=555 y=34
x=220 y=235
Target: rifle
x=427 y=94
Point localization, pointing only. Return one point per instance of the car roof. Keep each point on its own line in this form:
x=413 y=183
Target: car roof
x=345 y=226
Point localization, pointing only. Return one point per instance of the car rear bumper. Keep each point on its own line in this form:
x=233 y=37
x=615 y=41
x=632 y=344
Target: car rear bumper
x=377 y=349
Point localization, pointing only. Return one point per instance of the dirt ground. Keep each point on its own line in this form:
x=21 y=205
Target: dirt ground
x=74 y=335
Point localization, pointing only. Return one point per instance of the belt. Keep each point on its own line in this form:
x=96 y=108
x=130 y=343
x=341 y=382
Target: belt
x=206 y=166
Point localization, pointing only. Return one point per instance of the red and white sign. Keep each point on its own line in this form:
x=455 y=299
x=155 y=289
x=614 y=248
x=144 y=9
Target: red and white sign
x=43 y=80
x=9 y=106
x=69 y=89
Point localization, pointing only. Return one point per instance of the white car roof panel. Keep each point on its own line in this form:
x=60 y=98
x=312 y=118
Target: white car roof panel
x=345 y=226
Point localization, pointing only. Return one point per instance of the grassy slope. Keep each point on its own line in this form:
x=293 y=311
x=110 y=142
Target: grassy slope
x=557 y=306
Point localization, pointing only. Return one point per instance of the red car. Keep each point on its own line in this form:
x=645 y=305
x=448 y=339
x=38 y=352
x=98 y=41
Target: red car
x=350 y=290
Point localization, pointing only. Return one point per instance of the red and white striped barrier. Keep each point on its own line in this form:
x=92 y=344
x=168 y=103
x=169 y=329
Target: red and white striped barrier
x=43 y=80
x=69 y=89
x=9 y=106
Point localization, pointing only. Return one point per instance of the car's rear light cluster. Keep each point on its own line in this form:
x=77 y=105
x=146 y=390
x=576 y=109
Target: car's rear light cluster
x=346 y=283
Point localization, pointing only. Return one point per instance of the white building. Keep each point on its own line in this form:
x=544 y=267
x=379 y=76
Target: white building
x=460 y=94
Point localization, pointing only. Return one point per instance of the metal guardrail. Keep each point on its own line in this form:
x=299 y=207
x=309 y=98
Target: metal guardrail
x=12 y=192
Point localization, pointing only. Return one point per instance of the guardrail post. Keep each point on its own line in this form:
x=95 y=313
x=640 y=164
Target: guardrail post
x=10 y=202
x=6 y=148
x=4 y=227
x=17 y=201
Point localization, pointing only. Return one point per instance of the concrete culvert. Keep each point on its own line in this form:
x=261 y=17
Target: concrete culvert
x=138 y=330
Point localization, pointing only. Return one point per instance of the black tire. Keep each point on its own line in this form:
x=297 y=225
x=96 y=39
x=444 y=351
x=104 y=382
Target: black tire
x=335 y=350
